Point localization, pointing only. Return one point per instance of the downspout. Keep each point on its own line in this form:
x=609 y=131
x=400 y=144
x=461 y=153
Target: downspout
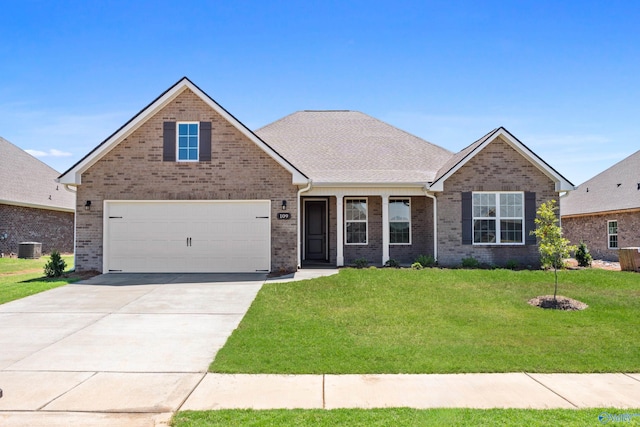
x=299 y=226
x=435 y=222
x=75 y=220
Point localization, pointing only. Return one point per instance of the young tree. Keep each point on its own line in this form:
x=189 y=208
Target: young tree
x=552 y=246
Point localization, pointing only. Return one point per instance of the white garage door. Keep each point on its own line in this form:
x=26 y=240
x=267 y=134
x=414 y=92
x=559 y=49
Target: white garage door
x=187 y=236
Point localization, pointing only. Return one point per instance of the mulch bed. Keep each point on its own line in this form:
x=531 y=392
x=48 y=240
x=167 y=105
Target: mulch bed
x=561 y=303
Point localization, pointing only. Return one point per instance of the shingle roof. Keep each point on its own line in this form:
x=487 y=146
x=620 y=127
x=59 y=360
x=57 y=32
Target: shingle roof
x=26 y=181
x=352 y=147
x=617 y=188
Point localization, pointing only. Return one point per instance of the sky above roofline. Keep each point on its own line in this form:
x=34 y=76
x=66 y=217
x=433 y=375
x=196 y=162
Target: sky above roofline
x=561 y=76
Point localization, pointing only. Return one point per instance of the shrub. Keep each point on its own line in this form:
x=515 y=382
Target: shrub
x=55 y=266
x=417 y=266
x=426 y=261
x=470 y=262
x=360 y=262
x=392 y=263
x=512 y=264
x=583 y=256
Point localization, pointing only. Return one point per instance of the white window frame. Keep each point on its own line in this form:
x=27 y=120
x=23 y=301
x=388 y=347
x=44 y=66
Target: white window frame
x=366 y=220
x=178 y=159
x=609 y=234
x=498 y=218
x=400 y=199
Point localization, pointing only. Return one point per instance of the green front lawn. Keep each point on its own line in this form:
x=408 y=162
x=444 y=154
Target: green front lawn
x=438 y=321
x=23 y=277
x=406 y=417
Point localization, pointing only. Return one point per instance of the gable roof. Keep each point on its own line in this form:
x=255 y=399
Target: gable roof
x=461 y=158
x=614 y=189
x=73 y=175
x=349 y=147
x=26 y=181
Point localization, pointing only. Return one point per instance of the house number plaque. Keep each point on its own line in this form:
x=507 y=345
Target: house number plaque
x=284 y=215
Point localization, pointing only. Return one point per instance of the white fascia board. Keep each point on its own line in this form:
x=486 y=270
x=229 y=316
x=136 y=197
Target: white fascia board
x=561 y=184
x=73 y=176
x=297 y=177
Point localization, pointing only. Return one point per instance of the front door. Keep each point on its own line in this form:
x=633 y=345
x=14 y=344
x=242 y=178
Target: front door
x=315 y=220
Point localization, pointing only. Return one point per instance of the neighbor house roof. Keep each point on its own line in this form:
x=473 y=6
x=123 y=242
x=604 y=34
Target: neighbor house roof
x=73 y=175
x=465 y=155
x=615 y=189
x=26 y=181
x=349 y=147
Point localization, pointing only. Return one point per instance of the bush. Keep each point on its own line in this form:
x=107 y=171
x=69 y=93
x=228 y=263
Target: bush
x=470 y=262
x=417 y=266
x=55 y=266
x=392 y=263
x=426 y=261
x=583 y=256
x=512 y=264
x=360 y=262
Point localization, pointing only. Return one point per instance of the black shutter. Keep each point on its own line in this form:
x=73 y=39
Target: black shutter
x=467 y=219
x=169 y=142
x=529 y=217
x=205 y=142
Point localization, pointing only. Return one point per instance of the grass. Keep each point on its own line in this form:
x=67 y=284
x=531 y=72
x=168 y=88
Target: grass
x=405 y=417
x=23 y=277
x=438 y=321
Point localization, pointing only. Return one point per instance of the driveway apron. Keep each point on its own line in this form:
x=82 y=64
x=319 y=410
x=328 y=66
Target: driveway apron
x=117 y=343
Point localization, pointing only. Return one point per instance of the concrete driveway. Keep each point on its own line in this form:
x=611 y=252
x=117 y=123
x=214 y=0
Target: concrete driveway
x=117 y=343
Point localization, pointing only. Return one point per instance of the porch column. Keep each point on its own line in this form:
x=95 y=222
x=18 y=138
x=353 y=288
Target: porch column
x=339 y=231
x=385 y=228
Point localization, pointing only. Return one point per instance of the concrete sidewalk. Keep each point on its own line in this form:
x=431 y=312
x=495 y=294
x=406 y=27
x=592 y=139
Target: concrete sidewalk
x=510 y=390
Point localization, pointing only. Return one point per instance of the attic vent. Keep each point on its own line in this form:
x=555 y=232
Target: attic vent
x=587 y=189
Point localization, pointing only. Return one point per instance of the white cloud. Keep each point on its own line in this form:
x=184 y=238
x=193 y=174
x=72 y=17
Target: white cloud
x=51 y=153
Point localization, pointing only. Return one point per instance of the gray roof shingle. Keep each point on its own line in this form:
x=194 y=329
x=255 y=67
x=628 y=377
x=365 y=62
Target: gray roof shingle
x=27 y=181
x=617 y=188
x=352 y=147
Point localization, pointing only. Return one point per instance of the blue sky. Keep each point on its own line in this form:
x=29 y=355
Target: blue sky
x=563 y=77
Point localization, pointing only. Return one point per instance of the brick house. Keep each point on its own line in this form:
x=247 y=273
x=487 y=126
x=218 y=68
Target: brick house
x=604 y=212
x=33 y=206
x=185 y=187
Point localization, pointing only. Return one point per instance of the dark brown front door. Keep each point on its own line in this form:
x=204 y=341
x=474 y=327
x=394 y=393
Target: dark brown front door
x=315 y=220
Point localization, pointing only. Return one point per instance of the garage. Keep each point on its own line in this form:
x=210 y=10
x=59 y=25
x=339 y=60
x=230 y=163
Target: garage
x=187 y=236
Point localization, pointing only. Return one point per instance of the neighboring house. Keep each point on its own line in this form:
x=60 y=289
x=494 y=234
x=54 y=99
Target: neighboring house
x=186 y=187
x=604 y=212
x=33 y=206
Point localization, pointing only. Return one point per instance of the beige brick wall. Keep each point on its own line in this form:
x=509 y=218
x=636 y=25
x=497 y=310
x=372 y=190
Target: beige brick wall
x=593 y=230
x=134 y=170
x=54 y=229
x=497 y=168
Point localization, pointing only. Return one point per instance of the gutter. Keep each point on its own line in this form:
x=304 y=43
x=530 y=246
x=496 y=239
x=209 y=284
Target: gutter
x=435 y=222
x=298 y=225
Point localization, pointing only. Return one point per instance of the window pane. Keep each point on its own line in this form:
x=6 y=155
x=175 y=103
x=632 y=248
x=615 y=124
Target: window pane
x=613 y=227
x=484 y=205
x=193 y=129
x=398 y=232
x=193 y=154
x=484 y=231
x=182 y=142
x=182 y=129
x=356 y=210
x=511 y=205
x=357 y=232
x=613 y=241
x=399 y=210
x=511 y=231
